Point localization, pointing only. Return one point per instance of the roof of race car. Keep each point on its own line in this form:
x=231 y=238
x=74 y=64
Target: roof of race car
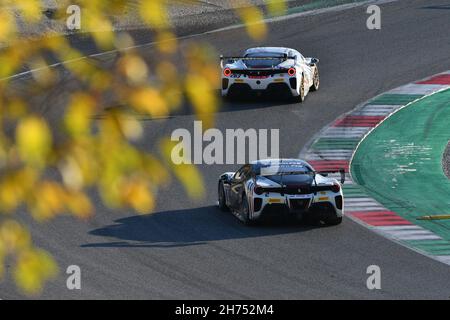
x=279 y=161
x=279 y=50
x=274 y=166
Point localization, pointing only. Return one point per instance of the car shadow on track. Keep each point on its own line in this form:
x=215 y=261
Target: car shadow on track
x=189 y=227
x=229 y=105
x=437 y=7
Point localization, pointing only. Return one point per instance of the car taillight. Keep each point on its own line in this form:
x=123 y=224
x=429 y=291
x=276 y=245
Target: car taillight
x=335 y=187
x=259 y=190
x=292 y=72
x=227 y=72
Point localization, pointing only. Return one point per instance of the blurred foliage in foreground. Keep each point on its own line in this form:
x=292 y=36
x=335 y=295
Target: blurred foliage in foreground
x=46 y=175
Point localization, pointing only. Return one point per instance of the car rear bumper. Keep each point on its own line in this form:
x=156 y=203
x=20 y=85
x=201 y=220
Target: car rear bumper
x=283 y=86
x=318 y=206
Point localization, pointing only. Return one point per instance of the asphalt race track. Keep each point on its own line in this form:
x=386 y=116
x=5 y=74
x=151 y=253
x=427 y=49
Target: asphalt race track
x=190 y=249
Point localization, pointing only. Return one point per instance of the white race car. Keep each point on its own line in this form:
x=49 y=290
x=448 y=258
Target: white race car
x=275 y=70
x=282 y=187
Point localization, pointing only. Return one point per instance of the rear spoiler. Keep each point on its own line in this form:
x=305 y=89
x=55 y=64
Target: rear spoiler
x=341 y=171
x=234 y=58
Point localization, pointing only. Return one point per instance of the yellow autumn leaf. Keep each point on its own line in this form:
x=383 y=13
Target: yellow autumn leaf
x=203 y=97
x=136 y=194
x=149 y=100
x=10 y=194
x=79 y=204
x=16 y=108
x=253 y=20
x=7 y=26
x=105 y=38
x=78 y=116
x=14 y=188
x=34 y=140
x=33 y=268
x=155 y=170
x=48 y=201
x=134 y=68
x=154 y=13
x=276 y=7
x=2 y=259
x=131 y=128
x=30 y=9
x=13 y=236
x=187 y=174
x=44 y=74
x=166 y=42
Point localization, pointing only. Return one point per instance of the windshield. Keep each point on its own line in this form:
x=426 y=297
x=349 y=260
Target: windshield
x=291 y=179
x=263 y=63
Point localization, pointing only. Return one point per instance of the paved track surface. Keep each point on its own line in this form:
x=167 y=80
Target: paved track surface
x=192 y=250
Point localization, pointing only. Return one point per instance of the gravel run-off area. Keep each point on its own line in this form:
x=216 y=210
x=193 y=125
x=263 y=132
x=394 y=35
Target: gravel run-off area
x=446 y=161
x=128 y=18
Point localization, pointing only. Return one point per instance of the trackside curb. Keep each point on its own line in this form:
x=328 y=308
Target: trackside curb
x=336 y=144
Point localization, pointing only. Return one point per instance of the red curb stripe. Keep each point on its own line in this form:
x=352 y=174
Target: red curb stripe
x=389 y=223
x=324 y=165
x=380 y=218
x=441 y=79
x=383 y=213
x=358 y=121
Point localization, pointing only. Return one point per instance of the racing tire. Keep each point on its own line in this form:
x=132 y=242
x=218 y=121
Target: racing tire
x=221 y=195
x=246 y=214
x=333 y=221
x=316 y=80
x=301 y=97
x=229 y=98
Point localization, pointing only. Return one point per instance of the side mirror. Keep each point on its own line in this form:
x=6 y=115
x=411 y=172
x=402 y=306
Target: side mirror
x=313 y=61
x=342 y=172
x=225 y=179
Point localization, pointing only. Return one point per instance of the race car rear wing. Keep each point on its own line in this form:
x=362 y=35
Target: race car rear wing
x=341 y=171
x=235 y=58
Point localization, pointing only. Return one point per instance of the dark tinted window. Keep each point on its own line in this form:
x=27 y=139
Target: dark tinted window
x=242 y=173
x=285 y=167
x=263 y=63
x=292 y=178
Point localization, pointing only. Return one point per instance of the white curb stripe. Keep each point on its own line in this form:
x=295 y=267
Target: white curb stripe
x=444 y=259
x=411 y=227
x=363 y=208
x=363 y=200
x=345 y=132
x=329 y=156
x=415 y=88
x=371 y=113
x=318 y=157
x=331 y=152
x=376 y=110
x=412 y=237
x=412 y=232
x=337 y=176
x=379 y=106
